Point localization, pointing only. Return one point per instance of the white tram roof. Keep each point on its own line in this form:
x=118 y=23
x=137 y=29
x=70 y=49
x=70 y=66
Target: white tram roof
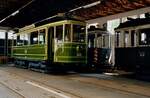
x=139 y=23
x=97 y=31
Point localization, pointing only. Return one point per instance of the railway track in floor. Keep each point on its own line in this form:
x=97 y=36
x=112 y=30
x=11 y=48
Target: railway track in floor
x=67 y=92
x=41 y=82
x=14 y=91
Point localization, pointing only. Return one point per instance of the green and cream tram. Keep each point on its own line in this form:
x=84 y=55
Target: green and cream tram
x=58 y=42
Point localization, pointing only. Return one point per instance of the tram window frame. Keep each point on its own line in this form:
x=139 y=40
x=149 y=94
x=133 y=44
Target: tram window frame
x=117 y=37
x=14 y=40
x=20 y=39
x=32 y=37
x=133 y=38
x=26 y=38
x=99 y=41
x=78 y=37
x=147 y=37
x=59 y=35
x=91 y=42
x=67 y=33
x=126 y=38
x=43 y=41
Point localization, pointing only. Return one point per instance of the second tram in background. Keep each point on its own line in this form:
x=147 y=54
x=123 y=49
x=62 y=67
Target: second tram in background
x=99 y=49
x=132 y=46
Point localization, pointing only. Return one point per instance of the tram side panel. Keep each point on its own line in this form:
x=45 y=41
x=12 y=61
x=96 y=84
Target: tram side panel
x=143 y=61
x=125 y=58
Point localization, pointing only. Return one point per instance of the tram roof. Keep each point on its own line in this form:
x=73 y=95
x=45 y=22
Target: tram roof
x=57 y=18
x=134 y=23
x=93 y=30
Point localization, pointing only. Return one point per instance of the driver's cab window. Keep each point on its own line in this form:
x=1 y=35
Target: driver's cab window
x=59 y=34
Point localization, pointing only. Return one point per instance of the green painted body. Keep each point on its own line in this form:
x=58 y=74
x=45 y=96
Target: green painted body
x=33 y=52
x=70 y=53
x=66 y=52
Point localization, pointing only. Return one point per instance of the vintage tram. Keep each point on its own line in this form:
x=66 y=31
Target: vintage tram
x=132 y=46
x=99 y=49
x=59 y=42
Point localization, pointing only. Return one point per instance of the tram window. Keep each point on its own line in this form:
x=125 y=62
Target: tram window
x=117 y=38
x=91 y=38
x=104 y=42
x=42 y=36
x=14 y=40
x=34 y=38
x=20 y=40
x=144 y=37
x=98 y=41
x=126 y=38
x=59 y=33
x=67 y=36
x=78 y=33
x=133 y=38
x=26 y=39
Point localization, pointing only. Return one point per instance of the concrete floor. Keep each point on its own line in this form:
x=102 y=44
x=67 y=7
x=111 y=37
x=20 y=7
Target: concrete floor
x=23 y=83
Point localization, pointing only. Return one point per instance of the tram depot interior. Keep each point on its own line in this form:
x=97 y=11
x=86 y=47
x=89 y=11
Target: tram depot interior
x=107 y=40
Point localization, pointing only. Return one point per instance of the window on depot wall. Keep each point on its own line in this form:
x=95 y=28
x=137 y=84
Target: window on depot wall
x=34 y=38
x=2 y=34
x=42 y=36
x=112 y=24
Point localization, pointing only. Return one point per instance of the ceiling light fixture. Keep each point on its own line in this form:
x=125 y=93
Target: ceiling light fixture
x=86 y=6
x=16 y=12
x=92 y=4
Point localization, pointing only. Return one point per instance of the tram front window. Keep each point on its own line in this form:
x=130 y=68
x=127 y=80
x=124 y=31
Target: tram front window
x=78 y=33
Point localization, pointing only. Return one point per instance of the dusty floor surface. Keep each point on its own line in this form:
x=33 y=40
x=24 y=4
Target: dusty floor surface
x=23 y=83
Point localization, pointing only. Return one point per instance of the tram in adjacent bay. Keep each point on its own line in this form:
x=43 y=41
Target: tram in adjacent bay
x=99 y=49
x=58 y=42
x=132 y=46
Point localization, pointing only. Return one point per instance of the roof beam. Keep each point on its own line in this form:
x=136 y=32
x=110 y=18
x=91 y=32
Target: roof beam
x=120 y=15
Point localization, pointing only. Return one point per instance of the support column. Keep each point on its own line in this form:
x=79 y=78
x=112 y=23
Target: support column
x=137 y=38
x=6 y=44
